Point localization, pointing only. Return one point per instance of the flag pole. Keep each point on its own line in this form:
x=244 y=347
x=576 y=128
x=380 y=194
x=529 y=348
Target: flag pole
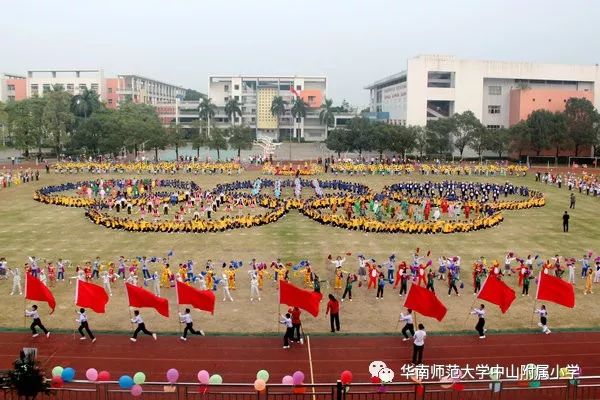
x=537 y=290
x=24 y=303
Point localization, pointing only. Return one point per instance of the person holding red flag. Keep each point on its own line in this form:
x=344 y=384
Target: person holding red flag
x=333 y=309
x=141 y=327
x=37 y=322
x=83 y=324
x=186 y=319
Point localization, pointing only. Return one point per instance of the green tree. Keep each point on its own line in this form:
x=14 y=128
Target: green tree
x=497 y=141
x=206 y=110
x=359 y=131
x=337 y=140
x=3 y=122
x=519 y=138
x=479 y=138
x=277 y=110
x=581 y=119
x=175 y=137
x=540 y=123
x=200 y=140
x=465 y=126
x=85 y=103
x=57 y=118
x=101 y=133
x=326 y=115
x=192 y=95
x=420 y=139
x=557 y=136
x=143 y=127
x=232 y=108
x=438 y=136
x=25 y=123
x=240 y=138
x=381 y=137
x=298 y=110
x=217 y=141
x=403 y=139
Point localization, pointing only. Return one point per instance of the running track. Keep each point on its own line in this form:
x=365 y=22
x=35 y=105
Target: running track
x=237 y=359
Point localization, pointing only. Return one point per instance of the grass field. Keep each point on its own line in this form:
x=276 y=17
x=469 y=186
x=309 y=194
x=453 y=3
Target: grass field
x=48 y=232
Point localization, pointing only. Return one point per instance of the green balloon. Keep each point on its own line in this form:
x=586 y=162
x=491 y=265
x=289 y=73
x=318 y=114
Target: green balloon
x=215 y=379
x=57 y=371
x=535 y=384
x=139 y=378
x=262 y=374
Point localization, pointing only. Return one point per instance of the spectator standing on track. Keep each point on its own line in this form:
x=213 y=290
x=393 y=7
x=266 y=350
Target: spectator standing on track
x=419 y=345
x=409 y=326
x=286 y=320
x=480 y=312
x=333 y=309
x=297 y=324
x=141 y=327
x=565 y=218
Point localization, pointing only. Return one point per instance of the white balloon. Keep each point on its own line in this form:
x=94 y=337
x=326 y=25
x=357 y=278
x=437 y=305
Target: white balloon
x=375 y=367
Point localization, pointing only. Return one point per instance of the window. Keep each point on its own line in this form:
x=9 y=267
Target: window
x=298 y=87
x=237 y=98
x=109 y=90
x=493 y=109
x=11 y=98
x=298 y=119
x=237 y=119
x=253 y=119
x=312 y=99
x=10 y=87
x=495 y=90
x=109 y=101
x=440 y=79
x=494 y=127
x=95 y=87
x=46 y=88
x=226 y=98
x=236 y=87
x=298 y=131
x=70 y=87
x=226 y=88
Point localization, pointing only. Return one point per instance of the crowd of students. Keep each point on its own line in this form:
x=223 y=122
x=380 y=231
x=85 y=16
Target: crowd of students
x=139 y=167
x=10 y=177
x=584 y=183
x=399 y=167
x=307 y=168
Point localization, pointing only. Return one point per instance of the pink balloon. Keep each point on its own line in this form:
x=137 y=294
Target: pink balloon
x=298 y=377
x=91 y=375
x=287 y=380
x=136 y=390
x=172 y=375
x=203 y=377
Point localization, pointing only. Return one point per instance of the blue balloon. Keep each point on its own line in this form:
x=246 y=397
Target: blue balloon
x=68 y=374
x=126 y=382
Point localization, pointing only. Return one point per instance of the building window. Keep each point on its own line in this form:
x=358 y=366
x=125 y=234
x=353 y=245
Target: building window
x=298 y=119
x=495 y=90
x=46 y=88
x=110 y=101
x=298 y=87
x=253 y=119
x=298 y=131
x=10 y=87
x=226 y=88
x=109 y=90
x=226 y=98
x=440 y=79
x=494 y=127
x=11 y=98
x=493 y=109
x=312 y=99
x=236 y=87
x=95 y=87
x=237 y=119
x=237 y=98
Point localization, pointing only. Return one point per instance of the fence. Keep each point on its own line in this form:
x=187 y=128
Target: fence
x=583 y=388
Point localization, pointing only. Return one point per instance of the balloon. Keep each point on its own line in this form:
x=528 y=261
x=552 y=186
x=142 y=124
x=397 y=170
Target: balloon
x=68 y=374
x=263 y=374
x=420 y=390
x=136 y=390
x=57 y=371
x=215 y=379
x=375 y=379
x=139 y=378
x=458 y=387
x=346 y=377
x=299 y=390
x=535 y=384
x=382 y=389
x=57 y=382
x=91 y=375
x=260 y=385
x=125 y=382
x=298 y=377
x=103 y=376
x=203 y=377
x=287 y=380
x=172 y=375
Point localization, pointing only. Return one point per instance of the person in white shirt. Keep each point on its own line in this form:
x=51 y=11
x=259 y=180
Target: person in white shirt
x=543 y=313
x=289 y=330
x=35 y=316
x=338 y=262
x=141 y=327
x=106 y=283
x=418 y=345
x=16 y=281
x=186 y=319
x=409 y=326
x=225 y=285
x=254 y=292
x=83 y=324
x=480 y=312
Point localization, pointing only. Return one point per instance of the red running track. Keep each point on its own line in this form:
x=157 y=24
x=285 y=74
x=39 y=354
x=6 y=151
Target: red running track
x=237 y=359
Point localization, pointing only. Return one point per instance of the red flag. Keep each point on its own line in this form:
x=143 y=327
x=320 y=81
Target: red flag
x=92 y=296
x=294 y=92
x=551 y=288
x=139 y=297
x=200 y=299
x=425 y=302
x=296 y=297
x=497 y=292
x=36 y=290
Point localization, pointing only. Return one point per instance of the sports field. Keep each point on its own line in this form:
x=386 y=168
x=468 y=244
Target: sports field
x=30 y=228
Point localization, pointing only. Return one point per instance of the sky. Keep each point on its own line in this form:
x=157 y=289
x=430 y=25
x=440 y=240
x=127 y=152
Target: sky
x=352 y=42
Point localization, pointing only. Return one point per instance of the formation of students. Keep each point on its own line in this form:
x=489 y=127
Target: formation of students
x=400 y=167
x=584 y=183
x=289 y=169
x=10 y=177
x=422 y=270
x=138 y=167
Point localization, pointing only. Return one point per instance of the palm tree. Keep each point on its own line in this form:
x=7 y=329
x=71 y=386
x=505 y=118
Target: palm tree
x=232 y=108
x=85 y=103
x=206 y=111
x=298 y=110
x=326 y=115
x=278 y=109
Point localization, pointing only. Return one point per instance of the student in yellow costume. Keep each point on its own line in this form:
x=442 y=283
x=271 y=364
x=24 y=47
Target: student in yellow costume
x=231 y=278
x=338 y=278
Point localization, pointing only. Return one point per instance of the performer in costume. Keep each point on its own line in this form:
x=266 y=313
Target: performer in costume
x=225 y=285
x=588 y=282
x=16 y=286
x=373 y=274
x=338 y=278
x=430 y=280
x=254 y=292
x=106 y=283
